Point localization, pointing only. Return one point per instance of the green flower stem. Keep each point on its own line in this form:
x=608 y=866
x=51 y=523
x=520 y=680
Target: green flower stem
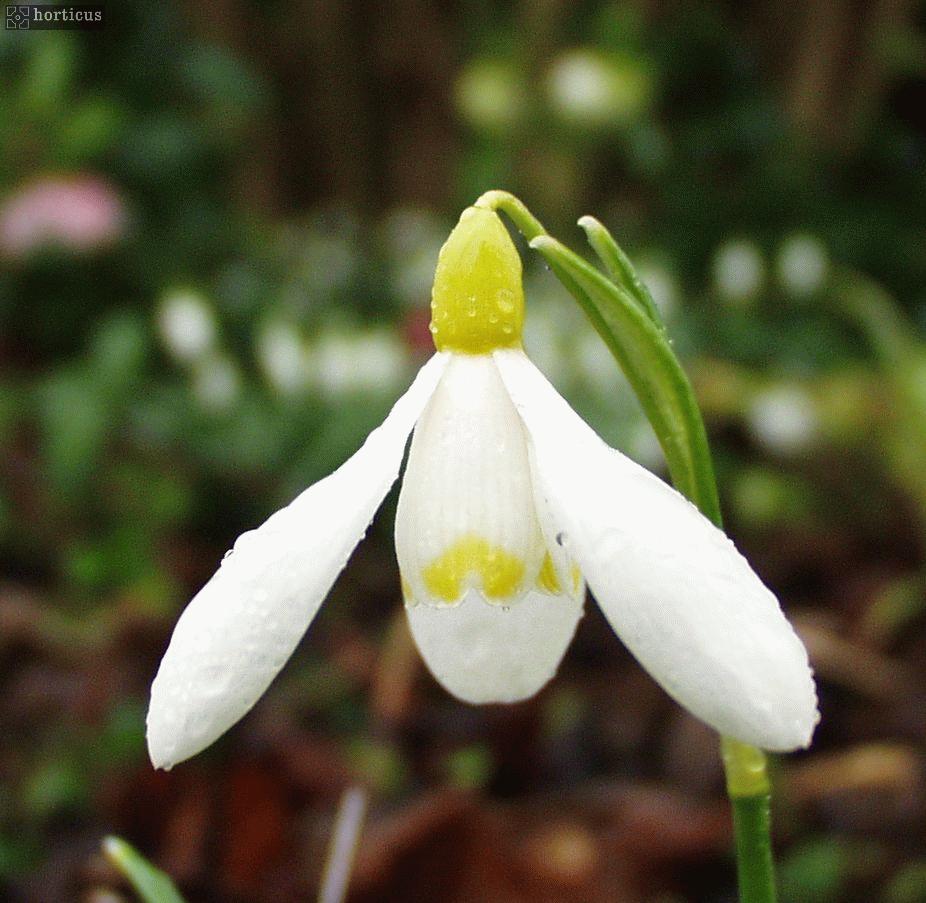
x=750 y=796
x=622 y=311
x=528 y=225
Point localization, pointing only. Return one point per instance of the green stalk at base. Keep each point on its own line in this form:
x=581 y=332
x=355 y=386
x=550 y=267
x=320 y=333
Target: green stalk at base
x=755 y=868
x=751 y=798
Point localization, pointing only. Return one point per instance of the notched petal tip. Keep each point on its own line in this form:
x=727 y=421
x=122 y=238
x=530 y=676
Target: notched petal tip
x=797 y=721
x=161 y=758
x=483 y=653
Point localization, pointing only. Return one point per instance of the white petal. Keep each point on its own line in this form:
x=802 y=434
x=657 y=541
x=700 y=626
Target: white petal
x=673 y=586
x=486 y=653
x=466 y=514
x=243 y=625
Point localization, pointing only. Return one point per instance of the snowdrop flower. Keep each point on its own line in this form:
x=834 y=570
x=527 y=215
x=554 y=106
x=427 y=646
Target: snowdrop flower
x=283 y=357
x=509 y=505
x=187 y=325
x=588 y=88
x=802 y=265
x=784 y=419
x=738 y=271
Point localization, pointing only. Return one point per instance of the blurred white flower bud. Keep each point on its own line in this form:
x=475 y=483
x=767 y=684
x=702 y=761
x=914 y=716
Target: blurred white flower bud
x=282 y=356
x=589 y=88
x=738 y=271
x=783 y=419
x=802 y=265
x=187 y=324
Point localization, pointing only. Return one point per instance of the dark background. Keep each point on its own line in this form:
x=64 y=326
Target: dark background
x=218 y=227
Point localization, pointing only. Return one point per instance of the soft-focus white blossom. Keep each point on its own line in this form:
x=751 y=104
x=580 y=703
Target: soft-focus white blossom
x=283 y=356
x=802 y=265
x=587 y=87
x=187 y=324
x=738 y=271
x=784 y=419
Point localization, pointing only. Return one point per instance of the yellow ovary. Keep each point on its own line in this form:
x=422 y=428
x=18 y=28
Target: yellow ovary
x=499 y=573
x=477 y=302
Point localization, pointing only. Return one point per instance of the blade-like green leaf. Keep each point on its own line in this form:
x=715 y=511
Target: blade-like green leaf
x=619 y=267
x=646 y=357
x=152 y=885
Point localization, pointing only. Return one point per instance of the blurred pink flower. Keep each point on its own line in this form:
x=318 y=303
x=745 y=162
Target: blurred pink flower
x=78 y=212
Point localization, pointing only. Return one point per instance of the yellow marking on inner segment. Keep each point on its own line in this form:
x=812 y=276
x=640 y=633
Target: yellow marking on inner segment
x=500 y=573
x=548 y=579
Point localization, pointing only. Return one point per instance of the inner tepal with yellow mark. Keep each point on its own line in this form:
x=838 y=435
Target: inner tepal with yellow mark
x=466 y=518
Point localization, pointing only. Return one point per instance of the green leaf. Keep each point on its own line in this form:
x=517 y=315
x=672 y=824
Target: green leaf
x=619 y=267
x=640 y=345
x=152 y=885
